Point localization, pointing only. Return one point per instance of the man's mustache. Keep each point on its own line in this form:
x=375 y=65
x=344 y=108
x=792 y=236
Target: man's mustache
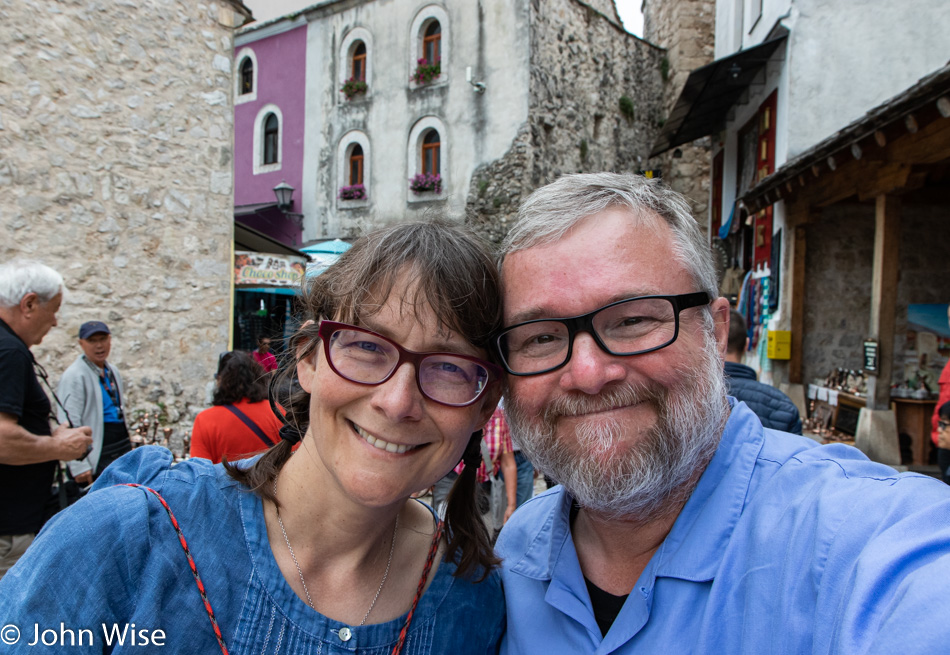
x=620 y=395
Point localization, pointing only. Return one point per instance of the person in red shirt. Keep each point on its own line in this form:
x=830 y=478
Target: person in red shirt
x=264 y=356
x=943 y=454
x=241 y=422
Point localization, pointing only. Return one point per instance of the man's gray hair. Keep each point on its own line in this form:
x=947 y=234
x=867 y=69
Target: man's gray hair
x=22 y=276
x=552 y=210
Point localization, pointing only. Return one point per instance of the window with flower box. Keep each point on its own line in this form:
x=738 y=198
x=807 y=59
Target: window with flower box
x=353 y=172
x=356 y=64
x=429 y=48
x=428 y=160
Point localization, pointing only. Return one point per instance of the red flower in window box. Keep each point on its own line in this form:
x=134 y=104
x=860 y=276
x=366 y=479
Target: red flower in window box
x=353 y=192
x=354 y=87
x=426 y=72
x=424 y=183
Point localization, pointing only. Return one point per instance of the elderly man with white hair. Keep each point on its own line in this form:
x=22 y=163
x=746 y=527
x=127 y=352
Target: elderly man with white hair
x=30 y=296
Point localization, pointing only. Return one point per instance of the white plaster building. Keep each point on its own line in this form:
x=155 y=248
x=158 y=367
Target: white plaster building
x=527 y=90
x=829 y=123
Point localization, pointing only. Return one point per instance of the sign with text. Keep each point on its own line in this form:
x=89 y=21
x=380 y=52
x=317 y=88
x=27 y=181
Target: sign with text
x=870 y=356
x=261 y=269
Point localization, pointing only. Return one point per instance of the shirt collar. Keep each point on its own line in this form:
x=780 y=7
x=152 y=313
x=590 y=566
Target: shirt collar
x=3 y=324
x=695 y=545
x=698 y=539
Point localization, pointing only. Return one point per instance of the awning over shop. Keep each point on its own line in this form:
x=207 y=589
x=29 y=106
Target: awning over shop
x=247 y=238
x=281 y=291
x=902 y=143
x=711 y=91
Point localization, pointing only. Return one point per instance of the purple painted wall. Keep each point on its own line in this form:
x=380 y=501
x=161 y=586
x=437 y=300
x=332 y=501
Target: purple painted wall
x=283 y=84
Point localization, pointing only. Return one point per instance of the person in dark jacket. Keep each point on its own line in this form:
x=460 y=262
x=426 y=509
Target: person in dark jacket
x=774 y=408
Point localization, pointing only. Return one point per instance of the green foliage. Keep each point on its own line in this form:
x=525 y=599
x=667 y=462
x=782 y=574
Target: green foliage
x=353 y=87
x=665 y=69
x=426 y=72
x=482 y=187
x=498 y=201
x=584 y=151
x=626 y=107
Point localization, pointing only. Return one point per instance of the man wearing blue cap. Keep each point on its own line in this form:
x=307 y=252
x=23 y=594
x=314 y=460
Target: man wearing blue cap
x=91 y=391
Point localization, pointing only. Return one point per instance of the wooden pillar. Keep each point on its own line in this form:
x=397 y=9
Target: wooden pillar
x=884 y=296
x=797 y=302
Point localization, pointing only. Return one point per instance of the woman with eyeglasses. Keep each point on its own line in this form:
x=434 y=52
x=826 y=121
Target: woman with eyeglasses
x=315 y=547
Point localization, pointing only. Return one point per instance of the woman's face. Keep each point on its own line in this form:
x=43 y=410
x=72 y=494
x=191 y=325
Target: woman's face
x=346 y=418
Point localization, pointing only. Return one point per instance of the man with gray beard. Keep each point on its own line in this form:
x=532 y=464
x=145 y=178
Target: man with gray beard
x=681 y=524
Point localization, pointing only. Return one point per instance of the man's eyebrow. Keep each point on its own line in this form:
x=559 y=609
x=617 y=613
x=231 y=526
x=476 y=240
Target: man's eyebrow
x=537 y=312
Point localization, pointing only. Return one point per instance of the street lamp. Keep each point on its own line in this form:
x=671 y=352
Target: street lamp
x=285 y=196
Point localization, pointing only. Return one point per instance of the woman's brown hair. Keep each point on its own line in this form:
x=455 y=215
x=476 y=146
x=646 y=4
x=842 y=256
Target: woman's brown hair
x=454 y=275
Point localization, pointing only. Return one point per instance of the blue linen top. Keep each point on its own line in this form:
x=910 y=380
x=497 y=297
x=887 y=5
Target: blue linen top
x=114 y=558
x=785 y=546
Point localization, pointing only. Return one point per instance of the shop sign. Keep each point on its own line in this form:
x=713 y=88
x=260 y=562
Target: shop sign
x=870 y=356
x=261 y=269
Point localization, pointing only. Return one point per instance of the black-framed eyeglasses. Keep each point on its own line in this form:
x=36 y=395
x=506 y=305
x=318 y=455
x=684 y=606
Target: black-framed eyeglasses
x=627 y=327
x=365 y=357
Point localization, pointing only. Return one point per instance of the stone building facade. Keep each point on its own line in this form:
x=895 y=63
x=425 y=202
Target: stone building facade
x=593 y=105
x=528 y=90
x=686 y=29
x=115 y=169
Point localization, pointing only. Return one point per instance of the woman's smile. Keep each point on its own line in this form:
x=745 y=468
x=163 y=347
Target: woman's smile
x=381 y=444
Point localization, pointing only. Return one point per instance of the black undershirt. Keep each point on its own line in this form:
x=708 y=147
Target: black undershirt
x=606 y=606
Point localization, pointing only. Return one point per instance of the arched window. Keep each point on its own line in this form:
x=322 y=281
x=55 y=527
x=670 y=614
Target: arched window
x=271 y=135
x=432 y=42
x=356 y=165
x=247 y=76
x=358 y=66
x=430 y=153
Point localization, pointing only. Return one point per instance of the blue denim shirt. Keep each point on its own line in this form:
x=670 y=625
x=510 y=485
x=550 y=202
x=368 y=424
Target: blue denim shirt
x=114 y=558
x=784 y=547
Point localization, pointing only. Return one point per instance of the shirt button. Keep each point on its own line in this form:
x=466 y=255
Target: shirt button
x=345 y=634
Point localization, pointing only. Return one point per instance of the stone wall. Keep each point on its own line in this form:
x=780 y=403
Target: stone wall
x=582 y=63
x=115 y=169
x=686 y=28
x=837 y=289
x=839 y=265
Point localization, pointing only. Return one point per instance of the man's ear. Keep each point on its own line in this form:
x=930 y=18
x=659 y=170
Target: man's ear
x=720 y=314
x=29 y=303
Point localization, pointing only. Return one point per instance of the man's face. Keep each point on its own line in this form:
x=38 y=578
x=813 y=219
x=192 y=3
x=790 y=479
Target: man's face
x=619 y=432
x=42 y=318
x=97 y=348
x=264 y=346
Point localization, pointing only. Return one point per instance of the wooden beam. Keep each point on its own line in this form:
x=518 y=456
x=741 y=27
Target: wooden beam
x=797 y=260
x=884 y=296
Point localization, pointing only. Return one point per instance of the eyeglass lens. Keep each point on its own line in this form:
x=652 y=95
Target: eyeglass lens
x=370 y=359
x=626 y=328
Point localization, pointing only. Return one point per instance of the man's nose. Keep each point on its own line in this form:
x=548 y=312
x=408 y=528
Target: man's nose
x=590 y=368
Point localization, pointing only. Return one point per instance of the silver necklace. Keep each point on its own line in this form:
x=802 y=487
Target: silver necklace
x=392 y=548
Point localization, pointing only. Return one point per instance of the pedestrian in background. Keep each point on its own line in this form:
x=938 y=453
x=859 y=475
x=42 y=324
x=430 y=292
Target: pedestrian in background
x=30 y=295
x=774 y=408
x=943 y=446
x=241 y=422
x=91 y=391
x=264 y=356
